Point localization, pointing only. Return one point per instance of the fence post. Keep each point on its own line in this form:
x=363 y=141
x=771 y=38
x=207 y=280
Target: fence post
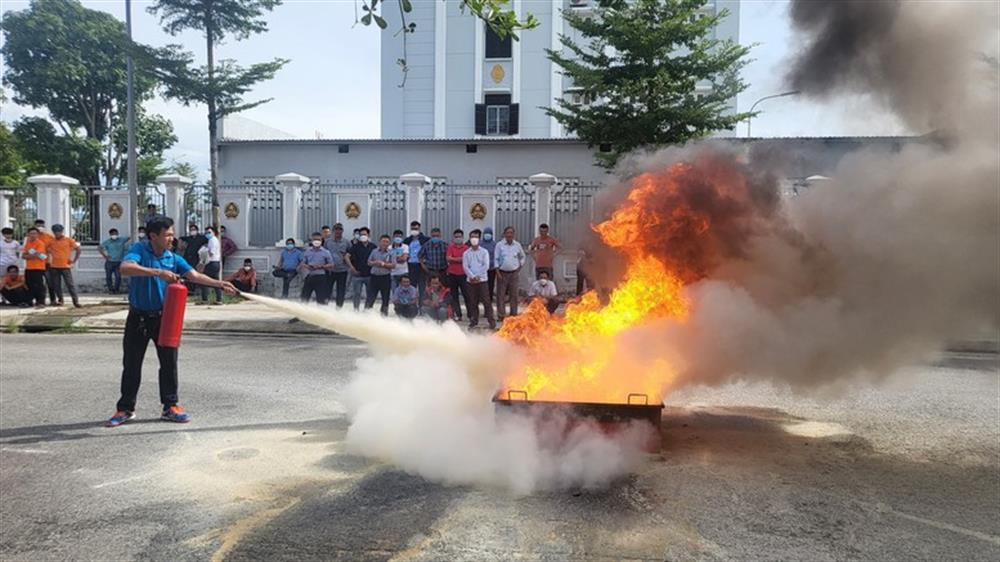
x=235 y=207
x=115 y=210
x=173 y=202
x=5 y=215
x=290 y=186
x=415 y=185
x=542 y=184
x=53 y=199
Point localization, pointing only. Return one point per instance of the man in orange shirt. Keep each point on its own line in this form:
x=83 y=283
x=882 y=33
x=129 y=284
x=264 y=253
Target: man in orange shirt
x=60 y=248
x=543 y=249
x=13 y=288
x=36 y=257
x=45 y=236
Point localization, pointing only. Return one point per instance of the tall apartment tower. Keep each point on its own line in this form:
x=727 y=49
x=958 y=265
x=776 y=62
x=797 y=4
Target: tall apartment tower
x=464 y=81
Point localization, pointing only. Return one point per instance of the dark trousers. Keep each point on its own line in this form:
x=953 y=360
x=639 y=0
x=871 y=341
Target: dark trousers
x=458 y=286
x=212 y=269
x=113 y=276
x=507 y=287
x=140 y=329
x=338 y=287
x=379 y=284
x=416 y=272
x=315 y=284
x=243 y=286
x=51 y=285
x=62 y=275
x=479 y=293
x=405 y=310
x=35 y=279
x=491 y=280
x=286 y=279
x=583 y=282
x=17 y=296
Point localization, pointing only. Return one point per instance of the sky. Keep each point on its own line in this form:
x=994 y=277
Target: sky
x=331 y=86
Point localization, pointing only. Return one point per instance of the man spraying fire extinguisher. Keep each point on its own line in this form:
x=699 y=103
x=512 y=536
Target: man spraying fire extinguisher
x=152 y=266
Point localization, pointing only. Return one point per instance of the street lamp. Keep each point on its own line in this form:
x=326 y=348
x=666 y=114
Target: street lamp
x=781 y=95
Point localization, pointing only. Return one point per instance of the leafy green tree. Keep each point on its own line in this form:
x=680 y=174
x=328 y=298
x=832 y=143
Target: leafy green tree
x=220 y=85
x=154 y=135
x=70 y=60
x=655 y=72
x=45 y=151
x=12 y=165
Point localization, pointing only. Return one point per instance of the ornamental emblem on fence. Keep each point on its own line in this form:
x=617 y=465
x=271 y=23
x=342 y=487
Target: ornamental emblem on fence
x=478 y=211
x=115 y=211
x=232 y=210
x=352 y=210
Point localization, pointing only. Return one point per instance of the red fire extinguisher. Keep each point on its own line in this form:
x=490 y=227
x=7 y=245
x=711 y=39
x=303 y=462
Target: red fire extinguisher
x=172 y=321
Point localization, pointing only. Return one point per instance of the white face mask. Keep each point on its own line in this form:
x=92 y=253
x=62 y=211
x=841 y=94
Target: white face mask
x=363 y=238
x=247 y=268
x=414 y=233
x=114 y=237
x=317 y=243
x=474 y=241
x=193 y=232
x=543 y=282
x=142 y=235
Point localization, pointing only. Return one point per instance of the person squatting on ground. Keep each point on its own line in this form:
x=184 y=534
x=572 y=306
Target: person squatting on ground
x=456 y=274
x=113 y=250
x=357 y=262
x=212 y=259
x=244 y=278
x=288 y=265
x=476 y=265
x=316 y=261
x=510 y=258
x=35 y=261
x=414 y=243
x=405 y=298
x=545 y=290
x=382 y=263
x=151 y=265
x=435 y=300
x=60 y=250
x=337 y=277
x=13 y=288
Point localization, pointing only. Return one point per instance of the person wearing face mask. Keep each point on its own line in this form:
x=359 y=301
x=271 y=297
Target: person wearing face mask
x=191 y=244
x=545 y=290
x=10 y=249
x=456 y=274
x=212 y=260
x=433 y=256
x=35 y=261
x=489 y=244
x=244 y=278
x=400 y=257
x=382 y=263
x=316 y=261
x=357 y=262
x=338 y=248
x=510 y=258
x=288 y=266
x=476 y=266
x=113 y=250
x=414 y=242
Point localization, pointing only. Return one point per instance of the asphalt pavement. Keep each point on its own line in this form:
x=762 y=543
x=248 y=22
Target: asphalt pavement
x=908 y=470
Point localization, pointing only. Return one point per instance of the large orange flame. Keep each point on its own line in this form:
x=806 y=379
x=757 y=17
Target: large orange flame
x=662 y=234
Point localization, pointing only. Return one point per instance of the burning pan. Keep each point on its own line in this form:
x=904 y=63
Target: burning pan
x=611 y=417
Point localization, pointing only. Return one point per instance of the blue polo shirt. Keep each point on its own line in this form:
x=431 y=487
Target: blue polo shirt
x=146 y=293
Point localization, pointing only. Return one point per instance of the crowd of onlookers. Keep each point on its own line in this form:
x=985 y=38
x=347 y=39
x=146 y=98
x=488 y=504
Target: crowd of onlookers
x=416 y=274
x=420 y=274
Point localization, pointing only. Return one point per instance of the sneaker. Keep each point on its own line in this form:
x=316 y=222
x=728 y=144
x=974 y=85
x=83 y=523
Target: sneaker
x=175 y=414
x=120 y=417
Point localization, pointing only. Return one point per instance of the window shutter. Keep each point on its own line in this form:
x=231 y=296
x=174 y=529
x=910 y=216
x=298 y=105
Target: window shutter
x=480 y=118
x=515 y=114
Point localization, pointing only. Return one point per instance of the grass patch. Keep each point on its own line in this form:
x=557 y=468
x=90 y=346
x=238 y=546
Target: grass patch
x=68 y=327
x=12 y=327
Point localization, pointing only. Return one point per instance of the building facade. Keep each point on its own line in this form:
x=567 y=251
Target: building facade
x=464 y=81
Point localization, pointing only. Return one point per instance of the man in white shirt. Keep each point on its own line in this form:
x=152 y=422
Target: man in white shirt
x=476 y=263
x=213 y=263
x=10 y=249
x=545 y=290
x=509 y=257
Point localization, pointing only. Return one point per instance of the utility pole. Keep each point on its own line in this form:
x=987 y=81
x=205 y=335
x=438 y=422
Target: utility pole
x=133 y=175
x=752 y=107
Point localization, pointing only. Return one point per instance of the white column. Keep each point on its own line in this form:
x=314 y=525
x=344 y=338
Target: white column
x=5 y=215
x=53 y=198
x=234 y=208
x=290 y=186
x=415 y=185
x=115 y=209
x=542 y=184
x=174 y=186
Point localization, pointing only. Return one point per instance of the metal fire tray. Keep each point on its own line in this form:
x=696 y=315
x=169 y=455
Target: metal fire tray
x=637 y=407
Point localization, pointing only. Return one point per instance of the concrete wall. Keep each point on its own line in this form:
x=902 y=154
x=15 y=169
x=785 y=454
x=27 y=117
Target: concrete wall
x=408 y=111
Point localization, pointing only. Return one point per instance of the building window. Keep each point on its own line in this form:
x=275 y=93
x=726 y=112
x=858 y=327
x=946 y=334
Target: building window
x=497 y=47
x=497 y=119
x=343 y=148
x=497 y=115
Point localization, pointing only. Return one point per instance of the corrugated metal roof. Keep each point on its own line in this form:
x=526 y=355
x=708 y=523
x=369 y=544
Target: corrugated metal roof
x=540 y=140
